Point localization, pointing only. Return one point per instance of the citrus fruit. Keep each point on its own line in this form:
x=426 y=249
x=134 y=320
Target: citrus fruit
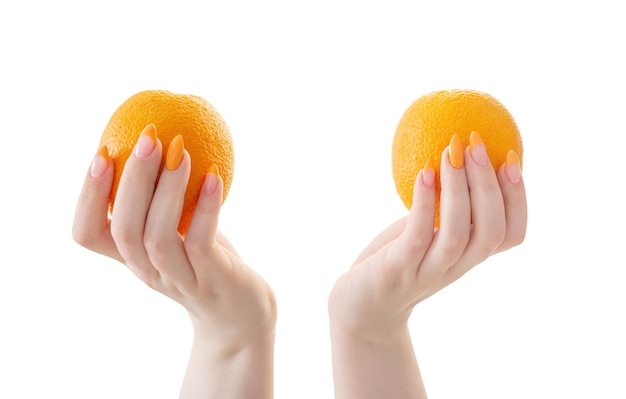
x=205 y=135
x=426 y=127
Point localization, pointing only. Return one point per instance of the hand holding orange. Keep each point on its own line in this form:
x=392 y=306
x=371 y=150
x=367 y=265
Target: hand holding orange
x=428 y=125
x=202 y=129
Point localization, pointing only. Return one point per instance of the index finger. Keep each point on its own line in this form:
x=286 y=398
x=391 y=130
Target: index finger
x=90 y=228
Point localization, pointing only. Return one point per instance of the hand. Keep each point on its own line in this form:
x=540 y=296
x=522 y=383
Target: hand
x=481 y=213
x=232 y=309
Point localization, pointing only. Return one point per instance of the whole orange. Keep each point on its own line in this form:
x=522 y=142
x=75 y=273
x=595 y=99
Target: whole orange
x=426 y=127
x=204 y=132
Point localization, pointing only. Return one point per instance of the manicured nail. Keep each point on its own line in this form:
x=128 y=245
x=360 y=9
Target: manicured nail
x=175 y=153
x=455 y=152
x=478 y=149
x=100 y=162
x=428 y=174
x=146 y=142
x=211 y=179
x=512 y=168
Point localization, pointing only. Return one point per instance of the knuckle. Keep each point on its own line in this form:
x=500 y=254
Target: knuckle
x=488 y=242
x=158 y=245
x=520 y=238
x=195 y=248
x=84 y=238
x=123 y=235
x=417 y=245
x=456 y=242
x=494 y=239
x=155 y=243
x=516 y=238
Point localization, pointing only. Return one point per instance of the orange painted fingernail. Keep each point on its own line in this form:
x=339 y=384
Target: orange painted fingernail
x=211 y=179
x=428 y=174
x=478 y=149
x=175 y=153
x=100 y=162
x=455 y=152
x=146 y=142
x=512 y=167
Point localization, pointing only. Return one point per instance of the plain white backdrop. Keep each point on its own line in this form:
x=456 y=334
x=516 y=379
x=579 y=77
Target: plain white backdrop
x=312 y=93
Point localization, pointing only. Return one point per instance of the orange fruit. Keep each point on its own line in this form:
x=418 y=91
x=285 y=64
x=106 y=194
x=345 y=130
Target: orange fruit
x=426 y=127
x=204 y=131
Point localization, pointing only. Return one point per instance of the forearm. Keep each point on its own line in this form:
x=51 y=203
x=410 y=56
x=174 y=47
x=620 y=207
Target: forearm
x=371 y=368
x=244 y=372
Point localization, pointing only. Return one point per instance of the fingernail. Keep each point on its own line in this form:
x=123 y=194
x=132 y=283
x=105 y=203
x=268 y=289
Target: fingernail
x=478 y=149
x=210 y=181
x=175 y=153
x=512 y=168
x=146 y=142
x=100 y=162
x=455 y=152
x=428 y=174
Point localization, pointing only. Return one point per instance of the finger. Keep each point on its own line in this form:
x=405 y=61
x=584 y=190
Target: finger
x=91 y=222
x=133 y=198
x=420 y=226
x=454 y=212
x=487 y=206
x=162 y=241
x=200 y=240
x=515 y=205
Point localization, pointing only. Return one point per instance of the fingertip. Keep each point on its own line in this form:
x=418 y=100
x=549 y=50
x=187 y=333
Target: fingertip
x=512 y=167
x=422 y=212
x=147 y=142
x=100 y=162
x=425 y=179
x=175 y=153
x=428 y=174
x=89 y=227
x=516 y=207
x=212 y=180
x=211 y=192
x=456 y=152
x=478 y=150
x=203 y=226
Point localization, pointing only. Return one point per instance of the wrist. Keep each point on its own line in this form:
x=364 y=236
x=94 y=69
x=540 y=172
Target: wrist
x=228 y=332
x=379 y=335
x=230 y=342
x=366 y=314
x=220 y=367
x=379 y=324
x=375 y=364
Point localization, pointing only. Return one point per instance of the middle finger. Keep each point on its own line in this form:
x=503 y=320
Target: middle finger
x=132 y=202
x=455 y=216
x=161 y=238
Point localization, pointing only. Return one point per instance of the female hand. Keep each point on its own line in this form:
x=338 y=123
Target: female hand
x=232 y=309
x=481 y=213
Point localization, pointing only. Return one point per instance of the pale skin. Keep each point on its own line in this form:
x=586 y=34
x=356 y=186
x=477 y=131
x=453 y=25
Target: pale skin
x=481 y=213
x=233 y=310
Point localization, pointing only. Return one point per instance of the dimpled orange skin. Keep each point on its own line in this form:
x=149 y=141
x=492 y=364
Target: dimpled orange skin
x=426 y=127
x=204 y=131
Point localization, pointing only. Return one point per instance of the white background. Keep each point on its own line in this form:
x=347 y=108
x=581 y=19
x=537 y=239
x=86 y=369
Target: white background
x=312 y=93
